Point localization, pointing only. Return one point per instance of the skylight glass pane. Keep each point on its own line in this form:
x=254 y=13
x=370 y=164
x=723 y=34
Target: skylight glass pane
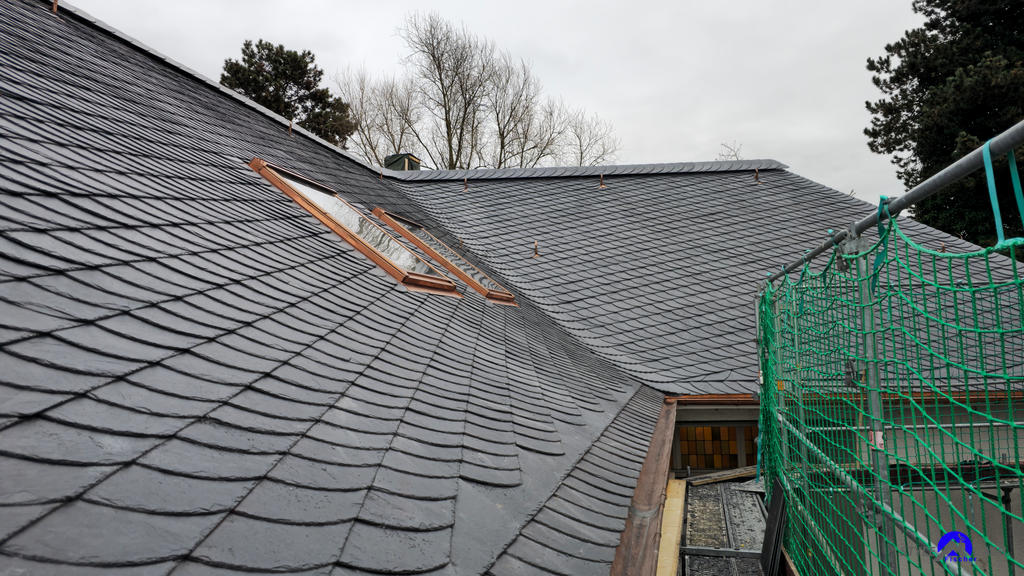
x=455 y=258
x=361 y=226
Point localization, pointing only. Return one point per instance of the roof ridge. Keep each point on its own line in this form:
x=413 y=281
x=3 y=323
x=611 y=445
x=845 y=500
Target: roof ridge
x=426 y=175
x=577 y=171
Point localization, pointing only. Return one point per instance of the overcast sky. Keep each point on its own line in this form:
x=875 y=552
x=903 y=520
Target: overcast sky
x=784 y=79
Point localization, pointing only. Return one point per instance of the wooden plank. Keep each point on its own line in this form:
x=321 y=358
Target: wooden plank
x=789 y=568
x=725 y=399
x=723 y=475
x=637 y=553
x=671 y=528
x=719 y=552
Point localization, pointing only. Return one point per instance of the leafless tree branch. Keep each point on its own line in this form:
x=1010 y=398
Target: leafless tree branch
x=463 y=104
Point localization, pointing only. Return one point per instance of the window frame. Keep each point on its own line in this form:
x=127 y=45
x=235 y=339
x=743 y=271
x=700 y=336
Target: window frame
x=398 y=223
x=439 y=284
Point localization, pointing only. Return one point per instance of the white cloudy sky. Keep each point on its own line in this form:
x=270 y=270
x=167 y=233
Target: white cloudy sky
x=783 y=78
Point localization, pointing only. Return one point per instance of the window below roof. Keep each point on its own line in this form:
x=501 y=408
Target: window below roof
x=447 y=257
x=355 y=228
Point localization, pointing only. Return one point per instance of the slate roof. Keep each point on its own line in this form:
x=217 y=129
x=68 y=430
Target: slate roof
x=658 y=271
x=196 y=376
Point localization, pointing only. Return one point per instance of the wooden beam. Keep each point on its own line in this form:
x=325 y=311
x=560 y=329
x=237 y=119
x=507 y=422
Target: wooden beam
x=788 y=567
x=671 y=528
x=723 y=399
x=731 y=474
x=637 y=553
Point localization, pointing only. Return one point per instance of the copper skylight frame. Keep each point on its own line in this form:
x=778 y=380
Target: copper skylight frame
x=439 y=284
x=399 y=223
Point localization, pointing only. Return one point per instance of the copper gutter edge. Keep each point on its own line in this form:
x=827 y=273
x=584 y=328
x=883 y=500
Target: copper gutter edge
x=727 y=399
x=637 y=553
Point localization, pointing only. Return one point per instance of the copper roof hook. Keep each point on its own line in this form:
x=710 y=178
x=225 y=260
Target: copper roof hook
x=536 y=249
x=601 y=186
x=465 y=184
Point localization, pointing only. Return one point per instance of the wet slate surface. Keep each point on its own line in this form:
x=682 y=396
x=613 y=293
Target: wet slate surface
x=193 y=364
x=658 y=271
x=578 y=528
x=197 y=377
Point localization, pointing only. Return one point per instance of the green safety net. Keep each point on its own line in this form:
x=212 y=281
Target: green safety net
x=892 y=408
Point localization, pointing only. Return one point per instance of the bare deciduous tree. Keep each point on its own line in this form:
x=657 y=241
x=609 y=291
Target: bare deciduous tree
x=730 y=151
x=513 y=95
x=464 y=104
x=386 y=111
x=451 y=70
x=589 y=140
x=541 y=135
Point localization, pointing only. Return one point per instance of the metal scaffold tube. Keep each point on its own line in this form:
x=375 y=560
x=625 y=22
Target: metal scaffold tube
x=999 y=145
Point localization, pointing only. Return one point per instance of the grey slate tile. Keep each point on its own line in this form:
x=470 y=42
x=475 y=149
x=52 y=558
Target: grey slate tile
x=320 y=451
x=14 y=314
x=554 y=561
x=312 y=474
x=191 y=568
x=182 y=384
x=219 y=435
x=287 y=503
x=33 y=482
x=90 y=414
x=59 y=443
x=415 y=486
x=509 y=565
x=59 y=354
x=188 y=458
x=568 y=545
x=490 y=476
x=395 y=511
x=128 y=395
x=147 y=490
x=247 y=543
x=15 y=518
x=348 y=437
x=548 y=517
x=24 y=566
x=22 y=402
x=392 y=551
x=249 y=420
x=70 y=535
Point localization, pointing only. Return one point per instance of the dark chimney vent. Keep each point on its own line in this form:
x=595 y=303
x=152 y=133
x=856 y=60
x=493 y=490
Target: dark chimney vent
x=402 y=162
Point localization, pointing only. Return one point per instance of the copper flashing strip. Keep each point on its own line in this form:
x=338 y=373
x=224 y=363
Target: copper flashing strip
x=438 y=284
x=401 y=225
x=726 y=399
x=637 y=553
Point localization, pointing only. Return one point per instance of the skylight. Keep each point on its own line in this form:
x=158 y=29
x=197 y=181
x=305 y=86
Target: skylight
x=447 y=257
x=358 y=230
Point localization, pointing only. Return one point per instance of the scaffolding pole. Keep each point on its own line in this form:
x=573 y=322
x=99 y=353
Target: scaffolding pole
x=998 y=146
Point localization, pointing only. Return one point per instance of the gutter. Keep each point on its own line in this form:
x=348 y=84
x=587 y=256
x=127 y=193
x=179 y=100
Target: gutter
x=637 y=553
